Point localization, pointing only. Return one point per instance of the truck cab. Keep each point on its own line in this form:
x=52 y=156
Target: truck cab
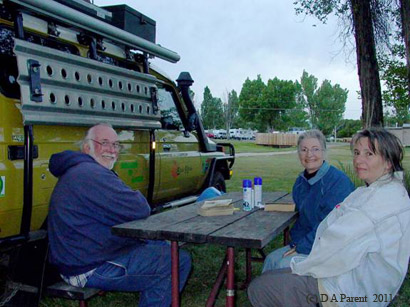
x=68 y=65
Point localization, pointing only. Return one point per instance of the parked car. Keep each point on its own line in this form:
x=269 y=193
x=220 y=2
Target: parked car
x=242 y=134
x=296 y=130
x=220 y=134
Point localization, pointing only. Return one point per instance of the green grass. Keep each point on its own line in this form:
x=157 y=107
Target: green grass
x=279 y=173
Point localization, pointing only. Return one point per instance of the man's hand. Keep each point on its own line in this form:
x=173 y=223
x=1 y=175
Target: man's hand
x=290 y=252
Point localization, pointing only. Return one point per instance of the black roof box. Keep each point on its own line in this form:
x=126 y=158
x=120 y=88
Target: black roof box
x=132 y=21
x=87 y=8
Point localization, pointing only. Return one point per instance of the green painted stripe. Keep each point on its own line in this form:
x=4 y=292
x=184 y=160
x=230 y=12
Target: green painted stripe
x=128 y=165
x=137 y=179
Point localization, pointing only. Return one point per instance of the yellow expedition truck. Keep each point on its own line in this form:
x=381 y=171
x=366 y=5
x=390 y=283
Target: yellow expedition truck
x=67 y=65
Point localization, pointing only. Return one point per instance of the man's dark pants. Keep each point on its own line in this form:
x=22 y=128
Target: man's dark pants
x=146 y=268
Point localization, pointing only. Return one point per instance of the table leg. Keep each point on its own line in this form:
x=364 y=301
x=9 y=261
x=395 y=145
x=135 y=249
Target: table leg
x=261 y=258
x=175 y=273
x=248 y=278
x=286 y=236
x=230 y=284
x=217 y=285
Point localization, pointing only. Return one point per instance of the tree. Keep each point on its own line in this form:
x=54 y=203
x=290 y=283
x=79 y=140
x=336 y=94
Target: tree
x=405 y=21
x=250 y=99
x=211 y=111
x=349 y=127
x=309 y=86
x=390 y=119
x=364 y=19
x=231 y=110
x=330 y=103
x=394 y=75
x=298 y=115
x=372 y=107
x=277 y=105
x=325 y=104
x=277 y=101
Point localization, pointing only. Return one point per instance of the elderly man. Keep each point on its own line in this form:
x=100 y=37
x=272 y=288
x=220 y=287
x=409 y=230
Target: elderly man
x=87 y=201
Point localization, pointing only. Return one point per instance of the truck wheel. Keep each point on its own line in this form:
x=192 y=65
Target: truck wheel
x=218 y=182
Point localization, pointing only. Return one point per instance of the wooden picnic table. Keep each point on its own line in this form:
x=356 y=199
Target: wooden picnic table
x=252 y=229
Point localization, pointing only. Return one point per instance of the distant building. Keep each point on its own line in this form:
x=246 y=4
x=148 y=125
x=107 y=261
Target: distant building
x=403 y=133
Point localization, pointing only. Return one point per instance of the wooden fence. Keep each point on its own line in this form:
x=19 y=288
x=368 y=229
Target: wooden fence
x=276 y=139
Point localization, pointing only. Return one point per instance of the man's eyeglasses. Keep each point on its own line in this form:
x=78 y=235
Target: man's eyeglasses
x=106 y=144
x=313 y=151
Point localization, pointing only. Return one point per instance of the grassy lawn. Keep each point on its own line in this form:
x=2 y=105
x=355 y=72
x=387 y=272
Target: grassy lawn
x=278 y=173
x=249 y=146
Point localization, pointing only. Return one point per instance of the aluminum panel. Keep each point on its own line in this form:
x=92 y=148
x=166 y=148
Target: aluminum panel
x=81 y=91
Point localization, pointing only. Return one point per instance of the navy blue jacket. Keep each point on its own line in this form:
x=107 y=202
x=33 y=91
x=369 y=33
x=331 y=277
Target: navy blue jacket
x=86 y=202
x=314 y=199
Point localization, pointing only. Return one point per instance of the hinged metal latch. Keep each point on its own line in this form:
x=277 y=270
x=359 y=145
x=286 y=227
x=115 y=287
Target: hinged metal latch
x=35 y=81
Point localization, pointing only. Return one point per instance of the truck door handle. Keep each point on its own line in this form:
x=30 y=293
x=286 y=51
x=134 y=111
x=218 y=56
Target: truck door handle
x=166 y=147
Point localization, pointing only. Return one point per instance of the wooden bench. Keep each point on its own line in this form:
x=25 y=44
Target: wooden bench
x=64 y=290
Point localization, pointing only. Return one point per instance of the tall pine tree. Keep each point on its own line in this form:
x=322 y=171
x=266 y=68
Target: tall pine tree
x=211 y=111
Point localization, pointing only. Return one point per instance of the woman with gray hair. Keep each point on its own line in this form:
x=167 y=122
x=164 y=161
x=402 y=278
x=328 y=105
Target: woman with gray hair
x=361 y=249
x=317 y=190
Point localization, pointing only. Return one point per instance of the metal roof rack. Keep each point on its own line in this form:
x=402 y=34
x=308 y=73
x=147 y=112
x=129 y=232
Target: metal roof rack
x=60 y=12
x=61 y=88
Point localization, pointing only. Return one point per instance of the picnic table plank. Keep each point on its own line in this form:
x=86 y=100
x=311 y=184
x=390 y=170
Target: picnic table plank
x=274 y=196
x=243 y=233
x=184 y=224
x=198 y=228
x=287 y=199
x=149 y=228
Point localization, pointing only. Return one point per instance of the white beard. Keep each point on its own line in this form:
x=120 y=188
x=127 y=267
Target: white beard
x=92 y=154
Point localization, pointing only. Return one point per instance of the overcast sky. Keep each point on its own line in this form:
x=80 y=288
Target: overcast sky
x=222 y=42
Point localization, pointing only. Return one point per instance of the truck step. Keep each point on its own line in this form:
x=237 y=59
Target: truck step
x=178 y=203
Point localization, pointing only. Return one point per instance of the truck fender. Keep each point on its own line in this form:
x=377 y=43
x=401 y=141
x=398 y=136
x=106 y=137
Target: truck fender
x=218 y=164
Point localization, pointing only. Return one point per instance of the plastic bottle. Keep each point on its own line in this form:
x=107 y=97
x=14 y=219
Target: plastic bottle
x=257 y=185
x=247 y=195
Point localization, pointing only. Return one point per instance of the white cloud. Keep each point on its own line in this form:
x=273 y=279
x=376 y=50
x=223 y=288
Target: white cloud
x=222 y=42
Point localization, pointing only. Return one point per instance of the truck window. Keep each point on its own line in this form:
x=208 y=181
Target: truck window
x=170 y=119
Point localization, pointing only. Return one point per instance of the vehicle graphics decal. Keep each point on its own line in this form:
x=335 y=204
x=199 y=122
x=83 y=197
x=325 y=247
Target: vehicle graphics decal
x=129 y=165
x=177 y=170
x=2 y=186
x=137 y=179
x=205 y=165
x=187 y=169
x=131 y=168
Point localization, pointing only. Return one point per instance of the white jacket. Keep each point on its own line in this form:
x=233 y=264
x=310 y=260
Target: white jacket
x=362 y=248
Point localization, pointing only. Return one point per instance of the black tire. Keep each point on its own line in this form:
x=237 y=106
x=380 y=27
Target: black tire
x=218 y=182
